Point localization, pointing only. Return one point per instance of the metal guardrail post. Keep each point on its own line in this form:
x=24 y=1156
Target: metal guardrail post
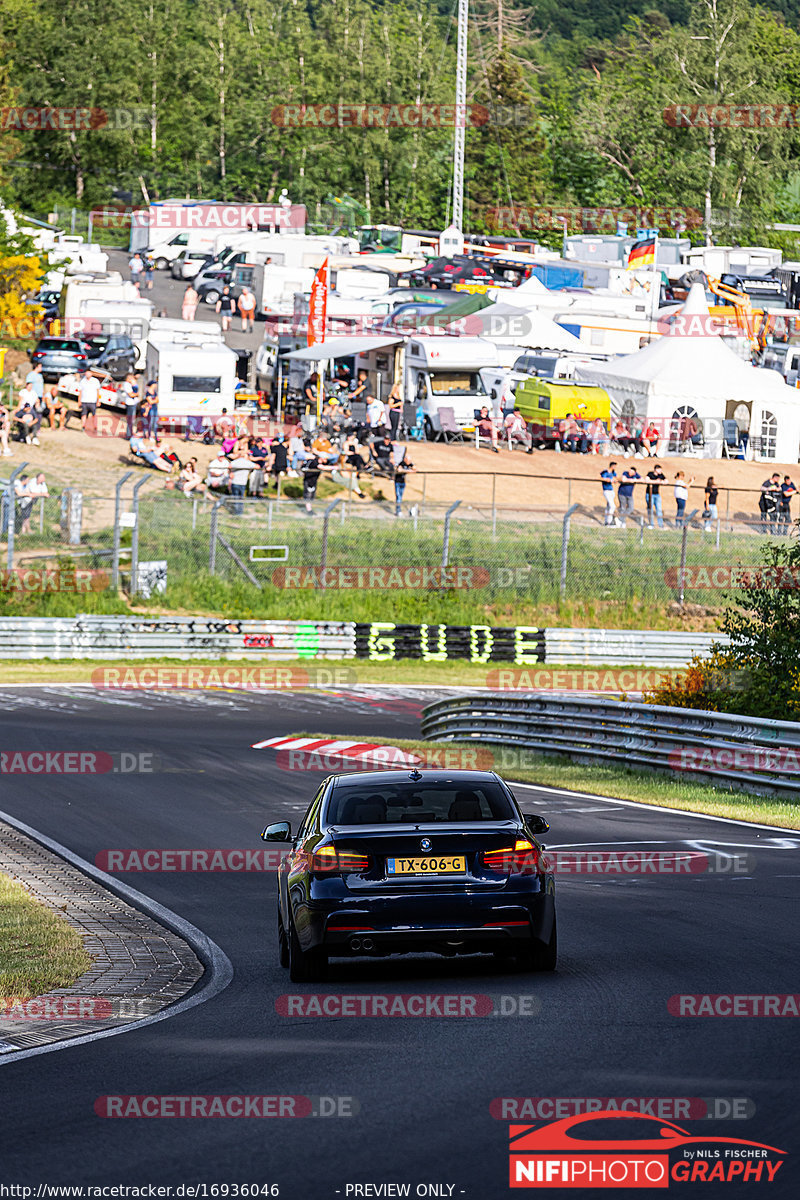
x=11 y=513
x=446 y=539
x=562 y=588
x=117 y=504
x=212 y=538
x=684 y=537
x=324 y=555
x=135 y=536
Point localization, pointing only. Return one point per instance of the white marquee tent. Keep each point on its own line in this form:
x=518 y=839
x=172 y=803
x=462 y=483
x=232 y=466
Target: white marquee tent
x=694 y=373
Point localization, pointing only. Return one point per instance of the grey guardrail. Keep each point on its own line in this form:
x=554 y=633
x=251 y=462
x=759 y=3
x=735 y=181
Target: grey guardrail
x=109 y=637
x=627 y=647
x=751 y=754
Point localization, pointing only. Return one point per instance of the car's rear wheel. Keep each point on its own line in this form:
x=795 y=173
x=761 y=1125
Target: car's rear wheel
x=212 y=296
x=305 y=966
x=161 y=264
x=283 y=944
x=541 y=956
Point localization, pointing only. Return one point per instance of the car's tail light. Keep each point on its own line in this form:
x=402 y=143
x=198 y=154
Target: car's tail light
x=339 y=862
x=80 y=356
x=523 y=858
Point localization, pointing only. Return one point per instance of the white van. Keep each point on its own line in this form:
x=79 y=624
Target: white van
x=446 y=371
x=164 y=252
x=196 y=376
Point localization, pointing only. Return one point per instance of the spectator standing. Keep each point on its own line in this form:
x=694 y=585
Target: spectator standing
x=23 y=498
x=784 y=504
x=35 y=381
x=655 y=478
x=607 y=478
x=312 y=470
x=149 y=267
x=136 y=266
x=151 y=396
x=710 y=511
x=189 y=303
x=359 y=387
x=226 y=307
x=36 y=488
x=130 y=391
x=247 y=309
x=258 y=452
x=395 y=408
x=401 y=472
x=681 y=492
x=768 y=502
x=279 y=458
x=376 y=415
x=240 y=468
x=625 y=492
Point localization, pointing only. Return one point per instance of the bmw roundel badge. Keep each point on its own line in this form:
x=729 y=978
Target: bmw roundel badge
x=426 y=844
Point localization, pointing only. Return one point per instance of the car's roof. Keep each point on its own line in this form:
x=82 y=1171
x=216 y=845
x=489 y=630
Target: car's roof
x=412 y=775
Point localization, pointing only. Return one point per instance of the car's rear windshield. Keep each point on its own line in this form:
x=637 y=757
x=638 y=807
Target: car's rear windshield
x=58 y=344
x=418 y=803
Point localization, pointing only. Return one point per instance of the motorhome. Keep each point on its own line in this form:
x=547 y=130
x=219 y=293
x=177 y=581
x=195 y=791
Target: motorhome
x=196 y=374
x=600 y=333
x=116 y=316
x=274 y=286
x=441 y=372
x=76 y=256
x=100 y=285
x=735 y=260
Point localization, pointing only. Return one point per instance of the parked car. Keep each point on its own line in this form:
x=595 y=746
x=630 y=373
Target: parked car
x=58 y=356
x=112 y=352
x=47 y=300
x=210 y=289
x=189 y=263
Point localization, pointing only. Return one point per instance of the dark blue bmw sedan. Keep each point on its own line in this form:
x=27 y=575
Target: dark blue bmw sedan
x=399 y=861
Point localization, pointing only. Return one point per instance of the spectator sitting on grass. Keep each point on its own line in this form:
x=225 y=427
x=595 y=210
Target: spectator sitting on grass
x=218 y=474
x=29 y=420
x=190 y=480
x=146 y=449
x=324 y=449
x=383 y=452
x=57 y=410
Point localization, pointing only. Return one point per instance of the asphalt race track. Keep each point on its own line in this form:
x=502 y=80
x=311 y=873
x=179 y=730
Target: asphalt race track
x=422 y=1086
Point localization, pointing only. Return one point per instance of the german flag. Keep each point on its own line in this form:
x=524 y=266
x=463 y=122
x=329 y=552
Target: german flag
x=642 y=254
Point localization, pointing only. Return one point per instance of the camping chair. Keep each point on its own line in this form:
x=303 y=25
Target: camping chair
x=730 y=439
x=448 y=430
x=414 y=421
x=358 y=417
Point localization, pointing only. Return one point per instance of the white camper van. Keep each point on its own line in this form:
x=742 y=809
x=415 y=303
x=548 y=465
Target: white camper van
x=446 y=372
x=196 y=375
x=164 y=251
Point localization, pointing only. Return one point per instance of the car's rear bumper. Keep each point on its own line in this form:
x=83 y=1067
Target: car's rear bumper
x=401 y=928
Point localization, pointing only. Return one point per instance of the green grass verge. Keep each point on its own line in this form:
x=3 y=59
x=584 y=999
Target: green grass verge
x=327 y=673
x=659 y=789
x=39 y=950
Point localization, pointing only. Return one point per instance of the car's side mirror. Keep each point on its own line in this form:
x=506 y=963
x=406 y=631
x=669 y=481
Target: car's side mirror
x=535 y=823
x=280 y=831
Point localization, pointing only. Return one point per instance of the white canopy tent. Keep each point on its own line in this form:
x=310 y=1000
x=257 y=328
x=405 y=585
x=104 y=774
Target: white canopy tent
x=512 y=325
x=695 y=374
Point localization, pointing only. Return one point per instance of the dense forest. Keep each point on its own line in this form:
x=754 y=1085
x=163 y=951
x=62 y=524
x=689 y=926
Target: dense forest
x=575 y=91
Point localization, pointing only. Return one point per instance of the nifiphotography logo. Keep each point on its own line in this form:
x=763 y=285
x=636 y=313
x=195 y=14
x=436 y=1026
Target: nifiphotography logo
x=616 y=1149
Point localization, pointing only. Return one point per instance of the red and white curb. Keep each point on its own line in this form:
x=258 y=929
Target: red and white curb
x=369 y=752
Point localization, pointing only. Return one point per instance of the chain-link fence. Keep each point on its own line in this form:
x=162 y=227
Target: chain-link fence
x=159 y=542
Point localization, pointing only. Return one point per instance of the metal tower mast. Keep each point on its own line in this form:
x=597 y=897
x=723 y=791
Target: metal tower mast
x=461 y=116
